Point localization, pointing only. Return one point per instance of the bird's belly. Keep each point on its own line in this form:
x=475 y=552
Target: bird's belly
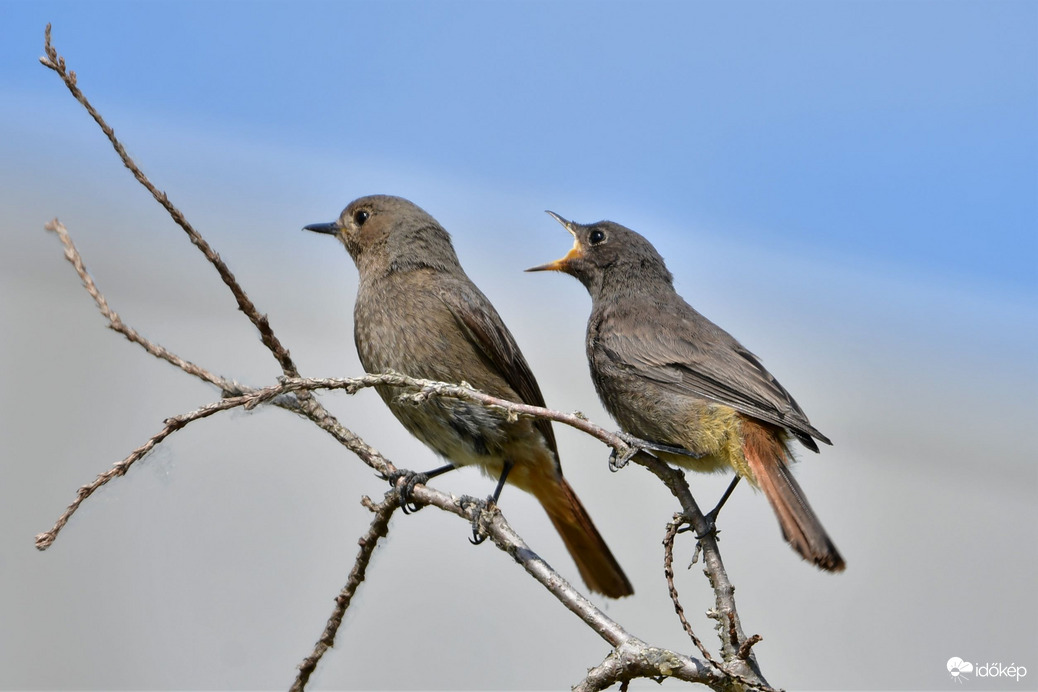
x=707 y=429
x=460 y=432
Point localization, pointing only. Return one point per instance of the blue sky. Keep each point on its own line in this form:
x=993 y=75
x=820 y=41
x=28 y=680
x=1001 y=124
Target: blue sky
x=850 y=188
x=899 y=132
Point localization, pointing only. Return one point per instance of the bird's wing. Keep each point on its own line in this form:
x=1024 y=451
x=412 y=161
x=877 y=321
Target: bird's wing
x=486 y=330
x=698 y=358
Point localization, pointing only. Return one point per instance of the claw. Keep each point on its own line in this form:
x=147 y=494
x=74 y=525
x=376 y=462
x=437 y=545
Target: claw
x=477 y=530
x=615 y=463
x=712 y=531
x=411 y=479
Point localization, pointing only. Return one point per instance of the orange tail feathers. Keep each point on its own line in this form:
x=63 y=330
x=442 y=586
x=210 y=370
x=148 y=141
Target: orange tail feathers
x=595 y=561
x=766 y=456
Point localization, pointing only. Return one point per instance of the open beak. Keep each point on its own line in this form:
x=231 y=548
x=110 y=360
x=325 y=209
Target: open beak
x=575 y=253
x=328 y=228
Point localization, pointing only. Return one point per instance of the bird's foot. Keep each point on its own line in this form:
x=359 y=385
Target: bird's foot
x=711 y=526
x=479 y=508
x=618 y=461
x=636 y=444
x=711 y=530
x=411 y=479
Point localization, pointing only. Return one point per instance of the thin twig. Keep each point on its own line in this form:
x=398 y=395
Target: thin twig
x=743 y=653
x=724 y=592
x=57 y=63
x=308 y=407
x=368 y=542
x=744 y=648
x=44 y=540
x=634 y=658
x=248 y=401
x=229 y=387
x=668 y=573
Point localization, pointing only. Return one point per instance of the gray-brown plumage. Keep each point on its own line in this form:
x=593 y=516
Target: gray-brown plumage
x=417 y=313
x=671 y=376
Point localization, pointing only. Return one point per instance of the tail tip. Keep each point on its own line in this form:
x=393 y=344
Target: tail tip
x=830 y=561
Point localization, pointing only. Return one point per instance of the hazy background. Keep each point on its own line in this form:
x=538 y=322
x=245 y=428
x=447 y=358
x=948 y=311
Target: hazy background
x=850 y=188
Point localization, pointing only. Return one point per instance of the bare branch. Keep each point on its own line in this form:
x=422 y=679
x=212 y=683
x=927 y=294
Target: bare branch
x=631 y=656
x=744 y=648
x=57 y=63
x=668 y=573
x=497 y=528
x=248 y=401
x=44 y=540
x=724 y=610
x=307 y=407
x=424 y=389
x=368 y=542
x=636 y=659
x=229 y=387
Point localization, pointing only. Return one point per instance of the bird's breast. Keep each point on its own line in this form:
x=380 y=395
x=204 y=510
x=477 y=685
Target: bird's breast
x=411 y=332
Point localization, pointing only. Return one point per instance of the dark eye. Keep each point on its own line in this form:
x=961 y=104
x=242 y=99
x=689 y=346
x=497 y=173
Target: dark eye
x=596 y=237
x=359 y=217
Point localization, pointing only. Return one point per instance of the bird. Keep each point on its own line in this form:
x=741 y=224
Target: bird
x=670 y=376
x=417 y=313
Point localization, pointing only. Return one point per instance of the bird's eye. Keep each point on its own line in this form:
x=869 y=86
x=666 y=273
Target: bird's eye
x=359 y=217
x=596 y=237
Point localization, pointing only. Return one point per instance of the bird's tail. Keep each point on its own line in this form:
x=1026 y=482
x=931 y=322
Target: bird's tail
x=595 y=561
x=766 y=455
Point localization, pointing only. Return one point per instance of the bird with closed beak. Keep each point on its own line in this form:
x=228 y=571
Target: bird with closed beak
x=672 y=377
x=417 y=313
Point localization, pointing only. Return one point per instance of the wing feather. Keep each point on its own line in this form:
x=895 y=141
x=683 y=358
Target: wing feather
x=486 y=330
x=700 y=359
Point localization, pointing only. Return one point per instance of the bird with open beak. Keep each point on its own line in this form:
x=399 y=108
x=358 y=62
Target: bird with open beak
x=670 y=376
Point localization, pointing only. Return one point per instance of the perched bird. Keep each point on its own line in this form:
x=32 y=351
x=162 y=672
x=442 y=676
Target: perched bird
x=671 y=376
x=418 y=314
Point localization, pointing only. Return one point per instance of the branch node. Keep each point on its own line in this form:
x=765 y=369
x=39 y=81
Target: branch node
x=744 y=650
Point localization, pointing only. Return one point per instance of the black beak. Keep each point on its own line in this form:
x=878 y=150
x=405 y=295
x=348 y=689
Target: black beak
x=328 y=228
x=568 y=225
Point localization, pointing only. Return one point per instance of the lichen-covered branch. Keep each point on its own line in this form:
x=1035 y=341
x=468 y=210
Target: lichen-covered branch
x=636 y=659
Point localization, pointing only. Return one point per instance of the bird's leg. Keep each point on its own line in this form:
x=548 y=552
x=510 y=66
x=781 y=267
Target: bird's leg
x=478 y=537
x=411 y=480
x=711 y=516
x=636 y=444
